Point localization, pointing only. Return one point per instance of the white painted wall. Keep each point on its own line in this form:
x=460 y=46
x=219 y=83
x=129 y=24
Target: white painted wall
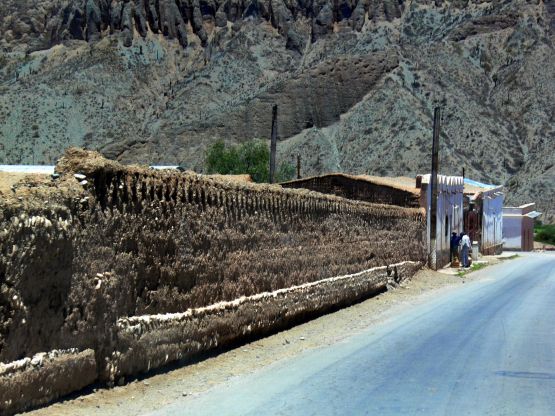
x=492 y=219
x=512 y=232
x=518 y=227
x=449 y=213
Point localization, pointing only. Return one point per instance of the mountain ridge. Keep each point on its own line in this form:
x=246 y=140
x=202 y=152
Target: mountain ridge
x=356 y=83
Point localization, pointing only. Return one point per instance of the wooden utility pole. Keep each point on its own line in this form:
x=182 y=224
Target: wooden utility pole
x=433 y=189
x=298 y=166
x=273 y=144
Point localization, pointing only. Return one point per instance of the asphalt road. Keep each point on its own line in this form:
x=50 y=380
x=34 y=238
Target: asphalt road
x=486 y=349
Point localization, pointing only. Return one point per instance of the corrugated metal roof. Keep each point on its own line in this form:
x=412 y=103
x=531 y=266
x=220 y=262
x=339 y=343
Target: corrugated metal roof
x=478 y=184
x=534 y=214
x=44 y=169
x=474 y=187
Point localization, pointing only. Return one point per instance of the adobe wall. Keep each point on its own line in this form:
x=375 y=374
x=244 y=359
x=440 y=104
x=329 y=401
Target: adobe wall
x=34 y=381
x=80 y=258
x=357 y=189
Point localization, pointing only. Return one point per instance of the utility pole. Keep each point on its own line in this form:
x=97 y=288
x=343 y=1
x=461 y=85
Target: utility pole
x=273 y=144
x=298 y=166
x=463 y=227
x=433 y=189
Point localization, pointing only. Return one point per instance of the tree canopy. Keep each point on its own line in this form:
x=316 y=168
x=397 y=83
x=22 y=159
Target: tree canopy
x=251 y=157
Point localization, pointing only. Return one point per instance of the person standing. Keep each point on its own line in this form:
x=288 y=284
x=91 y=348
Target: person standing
x=454 y=247
x=465 y=247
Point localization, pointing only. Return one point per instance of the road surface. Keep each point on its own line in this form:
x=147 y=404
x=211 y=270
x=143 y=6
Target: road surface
x=486 y=349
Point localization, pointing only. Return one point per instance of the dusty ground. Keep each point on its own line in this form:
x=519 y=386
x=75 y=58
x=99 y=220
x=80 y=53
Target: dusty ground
x=543 y=246
x=141 y=396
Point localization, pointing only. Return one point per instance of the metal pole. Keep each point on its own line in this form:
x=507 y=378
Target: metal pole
x=273 y=144
x=433 y=189
x=299 y=166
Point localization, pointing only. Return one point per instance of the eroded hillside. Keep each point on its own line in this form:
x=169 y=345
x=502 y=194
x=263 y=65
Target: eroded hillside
x=157 y=82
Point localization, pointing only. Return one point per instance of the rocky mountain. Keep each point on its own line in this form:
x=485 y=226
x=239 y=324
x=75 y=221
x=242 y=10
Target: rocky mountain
x=157 y=81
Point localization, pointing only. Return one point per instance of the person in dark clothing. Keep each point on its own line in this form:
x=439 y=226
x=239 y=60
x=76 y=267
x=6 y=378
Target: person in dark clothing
x=454 y=247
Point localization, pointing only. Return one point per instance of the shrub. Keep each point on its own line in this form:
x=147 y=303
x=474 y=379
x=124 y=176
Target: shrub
x=544 y=233
x=251 y=157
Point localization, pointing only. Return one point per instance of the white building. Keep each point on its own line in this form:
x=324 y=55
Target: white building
x=518 y=227
x=449 y=215
x=484 y=215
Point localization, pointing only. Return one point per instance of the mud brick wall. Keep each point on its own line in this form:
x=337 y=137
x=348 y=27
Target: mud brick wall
x=150 y=341
x=44 y=377
x=128 y=241
x=356 y=188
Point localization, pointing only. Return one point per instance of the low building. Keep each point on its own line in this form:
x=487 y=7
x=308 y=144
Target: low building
x=518 y=227
x=483 y=215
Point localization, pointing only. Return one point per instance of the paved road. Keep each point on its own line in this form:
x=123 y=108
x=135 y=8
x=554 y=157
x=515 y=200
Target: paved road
x=486 y=349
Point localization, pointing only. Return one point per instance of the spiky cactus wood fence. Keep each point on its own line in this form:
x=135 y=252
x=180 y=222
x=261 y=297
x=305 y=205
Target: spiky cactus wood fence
x=130 y=241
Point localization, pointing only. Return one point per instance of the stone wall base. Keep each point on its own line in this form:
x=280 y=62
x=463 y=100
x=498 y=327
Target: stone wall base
x=31 y=382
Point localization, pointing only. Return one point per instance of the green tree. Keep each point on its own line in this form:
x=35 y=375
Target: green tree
x=544 y=233
x=285 y=172
x=251 y=157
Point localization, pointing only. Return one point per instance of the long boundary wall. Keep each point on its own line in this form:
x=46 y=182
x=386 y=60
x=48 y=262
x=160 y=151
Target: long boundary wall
x=360 y=188
x=153 y=340
x=143 y=267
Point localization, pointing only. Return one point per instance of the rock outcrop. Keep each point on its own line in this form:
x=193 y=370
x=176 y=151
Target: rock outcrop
x=92 y=19
x=314 y=98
